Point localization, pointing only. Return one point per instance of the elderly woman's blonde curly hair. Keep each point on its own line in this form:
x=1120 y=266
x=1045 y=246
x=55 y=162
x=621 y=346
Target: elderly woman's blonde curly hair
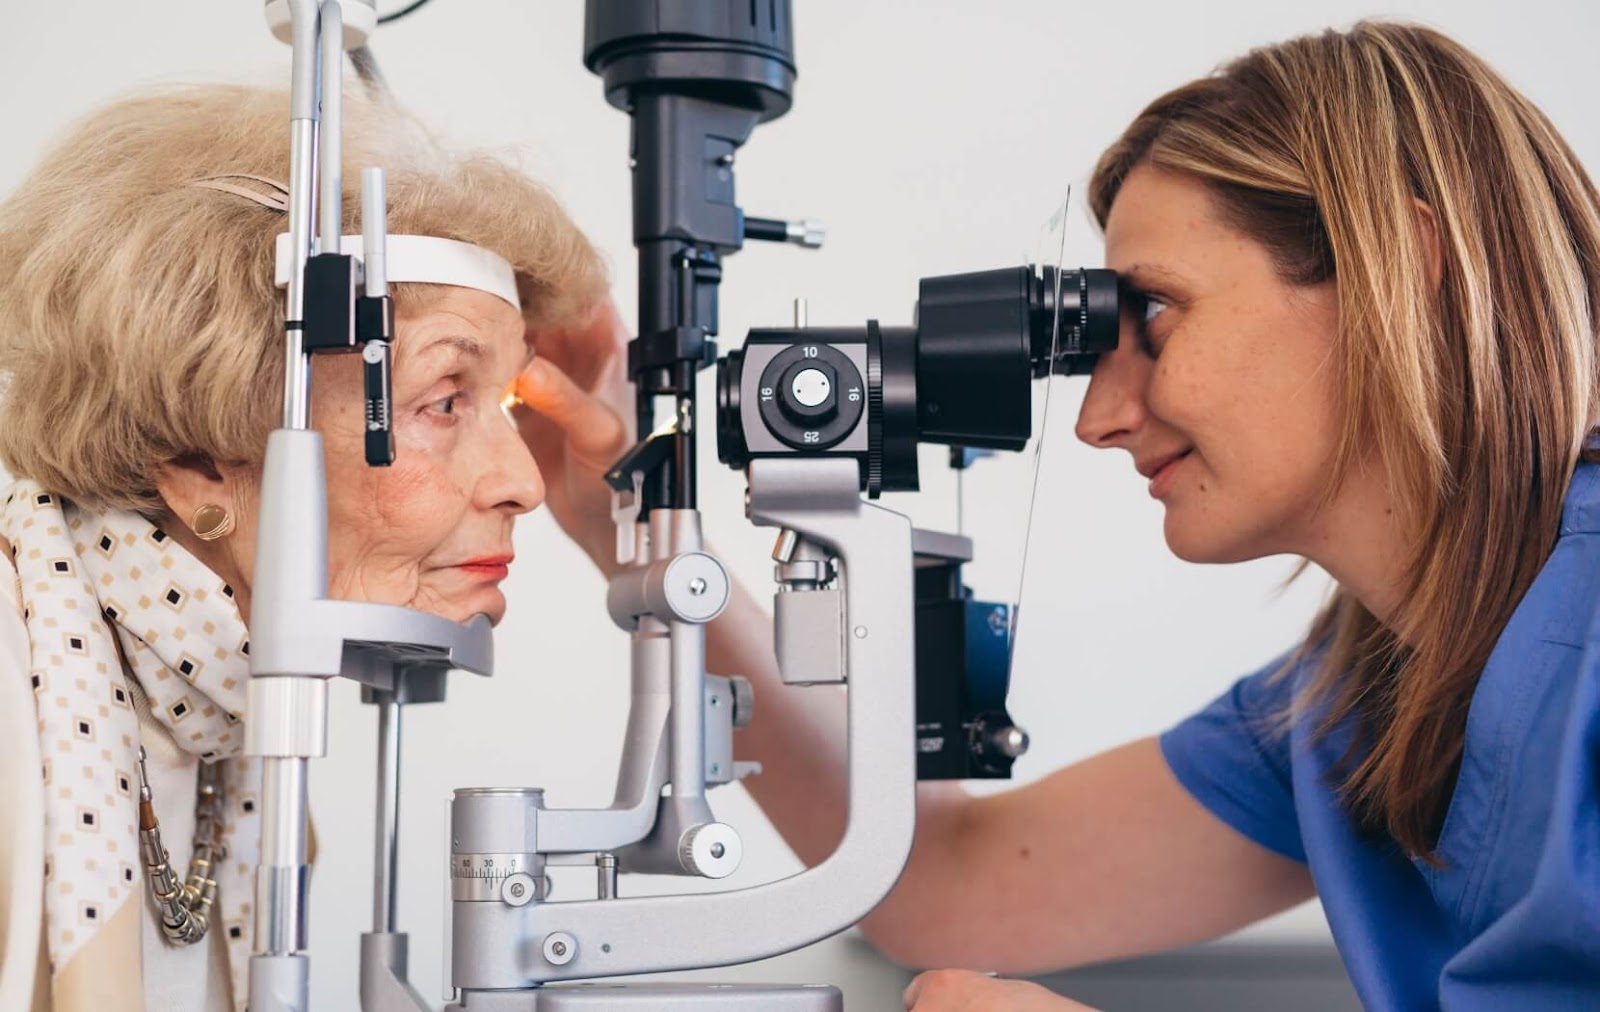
x=139 y=321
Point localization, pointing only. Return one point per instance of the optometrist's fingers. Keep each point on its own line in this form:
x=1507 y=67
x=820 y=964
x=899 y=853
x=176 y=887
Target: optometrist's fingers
x=588 y=352
x=593 y=430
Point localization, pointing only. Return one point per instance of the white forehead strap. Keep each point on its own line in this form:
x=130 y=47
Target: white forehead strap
x=428 y=259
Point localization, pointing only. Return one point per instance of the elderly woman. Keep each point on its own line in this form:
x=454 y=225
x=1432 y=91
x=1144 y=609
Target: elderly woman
x=141 y=337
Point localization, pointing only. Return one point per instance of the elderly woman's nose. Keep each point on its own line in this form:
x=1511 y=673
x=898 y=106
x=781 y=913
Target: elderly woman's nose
x=1114 y=406
x=511 y=480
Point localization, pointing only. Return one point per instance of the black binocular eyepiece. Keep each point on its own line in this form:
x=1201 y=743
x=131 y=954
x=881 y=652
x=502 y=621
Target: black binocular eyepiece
x=960 y=376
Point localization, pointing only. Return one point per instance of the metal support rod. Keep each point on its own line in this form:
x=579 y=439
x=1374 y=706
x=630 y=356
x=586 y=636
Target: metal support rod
x=281 y=878
x=688 y=743
x=686 y=295
x=606 y=871
x=331 y=87
x=302 y=209
x=683 y=455
x=686 y=490
x=374 y=232
x=658 y=307
x=685 y=486
x=386 y=845
x=302 y=206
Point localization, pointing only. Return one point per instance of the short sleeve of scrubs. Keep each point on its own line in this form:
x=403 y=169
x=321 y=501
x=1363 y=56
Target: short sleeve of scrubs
x=1233 y=757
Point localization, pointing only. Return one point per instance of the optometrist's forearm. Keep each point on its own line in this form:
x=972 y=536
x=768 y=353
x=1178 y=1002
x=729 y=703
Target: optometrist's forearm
x=1104 y=859
x=798 y=735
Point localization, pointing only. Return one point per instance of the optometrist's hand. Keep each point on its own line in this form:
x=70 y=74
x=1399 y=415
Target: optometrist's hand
x=577 y=422
x=965 y=991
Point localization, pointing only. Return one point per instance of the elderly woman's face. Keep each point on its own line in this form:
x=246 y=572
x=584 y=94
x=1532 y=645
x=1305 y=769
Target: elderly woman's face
x=432 y=531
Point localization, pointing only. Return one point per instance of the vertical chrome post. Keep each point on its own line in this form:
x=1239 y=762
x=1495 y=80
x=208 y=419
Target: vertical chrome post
x=672 y=533
x=281 y=884
x=606 y=872
x=386 y=859
x=288 y=713
x=303 y=123
x=330 y=169
x=688 y=744
x=374 y=232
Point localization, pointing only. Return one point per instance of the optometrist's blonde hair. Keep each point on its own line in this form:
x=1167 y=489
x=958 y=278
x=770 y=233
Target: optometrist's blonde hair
x=1476 y=395
x=139 y=320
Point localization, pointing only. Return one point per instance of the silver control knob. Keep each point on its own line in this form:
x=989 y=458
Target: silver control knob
x=808 y=232
x=1010 y=742
x=710 y=850
x=519 y=890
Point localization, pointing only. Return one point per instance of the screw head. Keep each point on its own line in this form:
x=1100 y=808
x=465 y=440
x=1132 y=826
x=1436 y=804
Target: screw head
x=519 y=889
x=559 y=948
x=697 y=586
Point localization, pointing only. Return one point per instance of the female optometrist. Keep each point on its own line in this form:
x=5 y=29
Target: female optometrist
x=1363 y=274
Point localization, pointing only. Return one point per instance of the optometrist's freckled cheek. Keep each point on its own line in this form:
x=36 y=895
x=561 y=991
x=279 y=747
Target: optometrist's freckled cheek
x=1170 y=383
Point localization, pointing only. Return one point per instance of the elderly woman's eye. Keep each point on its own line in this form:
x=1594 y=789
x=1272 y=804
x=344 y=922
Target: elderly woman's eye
x=445 y=405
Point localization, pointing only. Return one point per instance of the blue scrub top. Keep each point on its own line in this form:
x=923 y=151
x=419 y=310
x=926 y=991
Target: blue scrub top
x=1513 y=919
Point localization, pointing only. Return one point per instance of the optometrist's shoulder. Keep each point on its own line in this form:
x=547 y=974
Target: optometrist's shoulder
x=1075 y=868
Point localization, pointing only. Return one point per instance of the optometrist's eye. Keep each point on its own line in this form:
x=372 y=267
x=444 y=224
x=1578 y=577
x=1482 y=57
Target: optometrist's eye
x=1144 y=308
x=1153 y=307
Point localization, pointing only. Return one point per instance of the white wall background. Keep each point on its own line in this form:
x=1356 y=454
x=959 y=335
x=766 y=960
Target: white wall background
x=931 y=137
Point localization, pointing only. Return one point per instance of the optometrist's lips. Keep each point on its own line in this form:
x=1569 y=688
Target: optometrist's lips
x=1161 y=471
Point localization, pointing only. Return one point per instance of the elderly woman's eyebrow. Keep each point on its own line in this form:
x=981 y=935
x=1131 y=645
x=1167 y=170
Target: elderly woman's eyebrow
x=460 y=343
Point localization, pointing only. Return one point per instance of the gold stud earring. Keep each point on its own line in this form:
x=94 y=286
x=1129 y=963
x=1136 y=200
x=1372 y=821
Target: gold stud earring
x=211 y=522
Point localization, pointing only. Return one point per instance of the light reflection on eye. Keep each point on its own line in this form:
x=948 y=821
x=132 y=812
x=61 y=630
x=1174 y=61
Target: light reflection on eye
x=1153 y=307
x=509 y=403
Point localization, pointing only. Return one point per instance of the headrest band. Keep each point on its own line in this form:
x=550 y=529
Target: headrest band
x=428 y=259
x=414 y=259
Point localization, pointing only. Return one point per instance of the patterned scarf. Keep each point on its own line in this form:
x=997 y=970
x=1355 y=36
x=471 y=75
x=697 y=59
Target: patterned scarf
x=84 y=574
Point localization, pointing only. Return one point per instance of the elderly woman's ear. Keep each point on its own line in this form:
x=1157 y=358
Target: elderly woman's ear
x=199 y=495
x=211 y=511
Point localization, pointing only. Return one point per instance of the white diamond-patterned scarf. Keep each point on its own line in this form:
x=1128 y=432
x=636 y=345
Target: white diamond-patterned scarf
x=86 y=575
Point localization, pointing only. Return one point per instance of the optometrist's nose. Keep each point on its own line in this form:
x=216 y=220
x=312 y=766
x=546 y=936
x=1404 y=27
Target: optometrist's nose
x=1114 y=407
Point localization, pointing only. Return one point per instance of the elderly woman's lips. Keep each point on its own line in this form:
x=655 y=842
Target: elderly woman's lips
x=494 y=567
